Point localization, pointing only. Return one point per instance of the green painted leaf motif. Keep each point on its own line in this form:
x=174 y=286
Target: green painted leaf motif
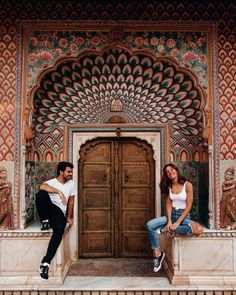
x=191 y=121
x=78 y=86
x=131 y=88
x=94 y=81
x=158 y=66
x=185 y=103
x=166 y=109
x=75 y=98
x=133 y=61
x=179 y=78
x=66 y=109
x=52 y=116
x=99 y=61
x=111 y=78
x=174 y=89
x=192 y=130
x=111 y=60
x=167 y=83
x=44 y=111
x=59 y=103
x=146 y=62
x=96 y=71
x=123 y=87
x=138 y=81
x=169 y=72
x=116 y=86
x=56 y=76
x=58 y=87
x=48 y=85
x=81 y=95
x=122 y=59
x=86 y=83
x=162 y=92
x=101 y=88
x=130 y=79
x=182 y=124
x=88 y=91
x=187 y=85
x=144 y=93
x=106 y=70
x=157 y=78
x=47 y=102
x=147 y=84
x=70 y=104
x=55 y=109
x=198 y=115
x=180 y=118
x=173 y=104
x=86 y=74
x=181 y=95
x=120 y=78
x=76 y=67
x=66 y=70
x=116 y=70
x=195 y=104
x=148 y=73
x=177 y=111
x=76 y=77
x=67 y=81
x=170 y=116
x=155 y=88
x=87 y=63
x=192 y=94
x=103 y=79
x=189 y=112
x=70 y=91
x=137 y=71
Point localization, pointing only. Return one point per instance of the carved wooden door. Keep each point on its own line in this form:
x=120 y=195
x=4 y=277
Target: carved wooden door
x=116 y=198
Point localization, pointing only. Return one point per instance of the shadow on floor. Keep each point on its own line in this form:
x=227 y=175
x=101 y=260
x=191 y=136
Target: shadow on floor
x=121 y=267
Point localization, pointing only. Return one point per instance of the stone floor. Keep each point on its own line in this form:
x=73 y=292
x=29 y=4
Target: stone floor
x=122 y=267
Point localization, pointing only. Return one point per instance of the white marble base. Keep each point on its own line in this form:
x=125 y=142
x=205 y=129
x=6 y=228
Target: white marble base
x=208 y=259
x=21 y=252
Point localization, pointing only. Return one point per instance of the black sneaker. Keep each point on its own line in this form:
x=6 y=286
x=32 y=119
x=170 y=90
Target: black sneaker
x=158 y=262
x=45 y=225
x=43 y=270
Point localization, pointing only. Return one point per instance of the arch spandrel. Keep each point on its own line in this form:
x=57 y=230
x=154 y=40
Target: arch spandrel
x=152 y=89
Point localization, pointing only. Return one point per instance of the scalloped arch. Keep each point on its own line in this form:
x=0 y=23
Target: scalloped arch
x=152 y=90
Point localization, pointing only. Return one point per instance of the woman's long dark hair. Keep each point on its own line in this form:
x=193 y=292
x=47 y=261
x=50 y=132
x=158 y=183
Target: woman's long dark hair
x=166 y=182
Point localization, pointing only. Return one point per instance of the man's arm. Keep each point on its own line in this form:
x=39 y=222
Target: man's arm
x=53 y=190
x=70 y=210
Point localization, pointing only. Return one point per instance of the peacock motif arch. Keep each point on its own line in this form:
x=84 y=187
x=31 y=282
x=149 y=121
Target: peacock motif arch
x=150 y=89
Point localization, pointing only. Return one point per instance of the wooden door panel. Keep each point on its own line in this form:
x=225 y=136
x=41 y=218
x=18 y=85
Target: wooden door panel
x=96 y=175
x=136 y=198
x=134 y=175
x=96 y=198
x=116 y=198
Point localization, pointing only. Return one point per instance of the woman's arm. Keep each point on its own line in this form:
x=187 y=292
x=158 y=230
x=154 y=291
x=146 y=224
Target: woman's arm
x=168 y=212
x=189 y=203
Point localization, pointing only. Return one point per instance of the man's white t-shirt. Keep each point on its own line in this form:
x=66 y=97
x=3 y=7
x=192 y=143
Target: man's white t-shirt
x=68 y=189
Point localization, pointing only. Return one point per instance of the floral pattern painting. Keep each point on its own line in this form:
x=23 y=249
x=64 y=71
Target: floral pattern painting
x=188 y=48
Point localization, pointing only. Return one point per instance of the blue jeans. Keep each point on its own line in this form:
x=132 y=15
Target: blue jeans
x=160 y=222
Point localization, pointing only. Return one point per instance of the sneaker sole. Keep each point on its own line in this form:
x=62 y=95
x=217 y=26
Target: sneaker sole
x=156 y=269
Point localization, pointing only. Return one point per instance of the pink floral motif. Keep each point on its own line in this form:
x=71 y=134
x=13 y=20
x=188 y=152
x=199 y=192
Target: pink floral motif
x=175 y=52
x=34 y=41
x=202 y=58
x=154 y=41
x=73 y=47
x=200 y=41
x=95 y=40
x=57 y=51
x=63 y=42
x=80 y=41
x=161 y=48
x=188 y=56
x=129 y=39
x=44 y=55
x=138 y=41
x=146 y=42
x=171 y=43
x=162 y=40
x=32 y=57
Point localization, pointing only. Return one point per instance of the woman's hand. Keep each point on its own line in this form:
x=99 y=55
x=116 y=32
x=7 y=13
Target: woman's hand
x=174 y=226
x=169 y=226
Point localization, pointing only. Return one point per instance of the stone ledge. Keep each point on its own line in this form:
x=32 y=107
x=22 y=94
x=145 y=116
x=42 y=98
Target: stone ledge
x=200 y=260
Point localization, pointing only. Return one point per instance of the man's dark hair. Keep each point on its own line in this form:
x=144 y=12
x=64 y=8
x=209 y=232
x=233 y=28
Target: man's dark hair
x=62 y=167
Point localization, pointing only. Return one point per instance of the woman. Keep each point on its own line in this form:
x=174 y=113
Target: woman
x=179 y=200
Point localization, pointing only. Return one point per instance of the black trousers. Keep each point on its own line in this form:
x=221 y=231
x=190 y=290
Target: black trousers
x=47 y=210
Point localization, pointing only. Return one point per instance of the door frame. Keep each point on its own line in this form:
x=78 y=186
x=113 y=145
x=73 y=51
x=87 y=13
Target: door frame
x=157 y=135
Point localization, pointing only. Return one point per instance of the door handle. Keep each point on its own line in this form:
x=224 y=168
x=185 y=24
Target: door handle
x=104 y=176
x=126 y=178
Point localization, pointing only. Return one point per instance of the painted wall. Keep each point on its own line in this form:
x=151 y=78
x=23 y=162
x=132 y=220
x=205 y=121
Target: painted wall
x=10 y=118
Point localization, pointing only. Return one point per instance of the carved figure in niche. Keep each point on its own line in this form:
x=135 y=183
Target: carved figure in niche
x=228 y=201
x=6 y=210
x=116 y=105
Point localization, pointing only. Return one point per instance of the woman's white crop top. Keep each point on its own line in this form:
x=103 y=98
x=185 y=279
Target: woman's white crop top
x=179 y=200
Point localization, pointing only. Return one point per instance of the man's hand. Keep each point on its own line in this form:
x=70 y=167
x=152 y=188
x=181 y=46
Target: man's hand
x=62 y=197
x=70 y=221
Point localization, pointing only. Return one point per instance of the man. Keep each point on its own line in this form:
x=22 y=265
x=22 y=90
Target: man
x=55 y=205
